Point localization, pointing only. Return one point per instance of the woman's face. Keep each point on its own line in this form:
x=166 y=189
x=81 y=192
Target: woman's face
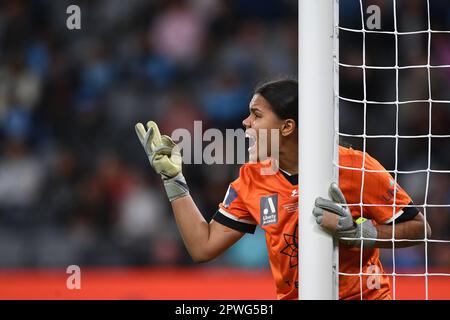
x=258 y=127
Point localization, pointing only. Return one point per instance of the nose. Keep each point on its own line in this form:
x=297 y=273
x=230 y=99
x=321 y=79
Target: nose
x=246 y=122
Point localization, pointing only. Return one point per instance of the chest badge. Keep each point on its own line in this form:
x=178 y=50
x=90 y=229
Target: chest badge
x=269 y=209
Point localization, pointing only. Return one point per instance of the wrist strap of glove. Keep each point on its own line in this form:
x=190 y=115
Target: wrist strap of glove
x=176 y=187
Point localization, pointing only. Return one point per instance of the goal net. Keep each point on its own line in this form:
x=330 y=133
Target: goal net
x=391 y=98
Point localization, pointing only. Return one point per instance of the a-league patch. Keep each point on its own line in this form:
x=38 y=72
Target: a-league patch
x=230 y=196
x=268 y=207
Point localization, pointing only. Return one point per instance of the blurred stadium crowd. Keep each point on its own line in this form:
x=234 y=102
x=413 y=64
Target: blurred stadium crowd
x=75 y=185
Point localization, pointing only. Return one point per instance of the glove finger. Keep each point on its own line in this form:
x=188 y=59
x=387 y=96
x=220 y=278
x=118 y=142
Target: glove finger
x=140 y=131
x=351 y=233
x=176 y=156
x=163 y=150
x=156 y=135
x=148 y=140
x=167 y=146
x=330 y=206
x=336 y=194
x=175 y=152
x=167 y=141
x=318 y=214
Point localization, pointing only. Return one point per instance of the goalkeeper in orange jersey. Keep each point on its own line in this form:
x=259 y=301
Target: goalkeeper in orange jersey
x=271 y=201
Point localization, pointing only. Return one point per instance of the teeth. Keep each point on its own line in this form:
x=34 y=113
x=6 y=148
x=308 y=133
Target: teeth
x=252 y=139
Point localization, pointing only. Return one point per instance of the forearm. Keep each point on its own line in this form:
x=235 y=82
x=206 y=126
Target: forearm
x=204 y=241
x=411 y=230
x=193 y=227
x=338 y=220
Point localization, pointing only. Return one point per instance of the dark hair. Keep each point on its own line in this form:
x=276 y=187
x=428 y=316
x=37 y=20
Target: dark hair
x=282 y=95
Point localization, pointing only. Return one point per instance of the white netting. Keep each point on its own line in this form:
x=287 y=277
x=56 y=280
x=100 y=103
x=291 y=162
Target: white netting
x=433 y=99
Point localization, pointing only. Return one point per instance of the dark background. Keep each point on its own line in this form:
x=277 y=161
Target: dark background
x=75 y=185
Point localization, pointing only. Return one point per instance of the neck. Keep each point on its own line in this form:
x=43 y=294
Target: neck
x=289 y=156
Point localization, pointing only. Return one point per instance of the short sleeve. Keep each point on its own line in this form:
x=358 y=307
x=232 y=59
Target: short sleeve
x=232 y=211
x=379 y=192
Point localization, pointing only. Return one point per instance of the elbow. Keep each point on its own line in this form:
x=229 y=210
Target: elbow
x=199 y=260
x=200 y=257
x=423 y=230
x=428 y=230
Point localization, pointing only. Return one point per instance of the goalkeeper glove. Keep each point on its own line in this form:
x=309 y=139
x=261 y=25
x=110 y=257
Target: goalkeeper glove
x=165 y=158
x=335 y=217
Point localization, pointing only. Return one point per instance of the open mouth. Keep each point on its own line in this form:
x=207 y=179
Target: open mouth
x=252 y=142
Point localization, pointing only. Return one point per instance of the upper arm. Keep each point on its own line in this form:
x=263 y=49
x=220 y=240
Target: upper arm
x=220 y=238
x=231 y=221
x=420 y=218
x=419 y=221
x=233 y=211
x=380 y=191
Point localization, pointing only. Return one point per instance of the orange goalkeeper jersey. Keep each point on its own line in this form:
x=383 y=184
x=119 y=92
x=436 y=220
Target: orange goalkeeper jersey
x=271 y=202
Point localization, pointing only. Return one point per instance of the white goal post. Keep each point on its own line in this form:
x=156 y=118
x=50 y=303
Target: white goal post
x=318 y=49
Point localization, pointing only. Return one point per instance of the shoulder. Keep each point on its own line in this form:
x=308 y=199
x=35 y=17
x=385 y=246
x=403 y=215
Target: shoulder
x=249 y=173
x=348 y=153
x=349 y=157
x=253 y=169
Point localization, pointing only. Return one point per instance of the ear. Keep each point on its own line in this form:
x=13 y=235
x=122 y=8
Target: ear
x=288 y=127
